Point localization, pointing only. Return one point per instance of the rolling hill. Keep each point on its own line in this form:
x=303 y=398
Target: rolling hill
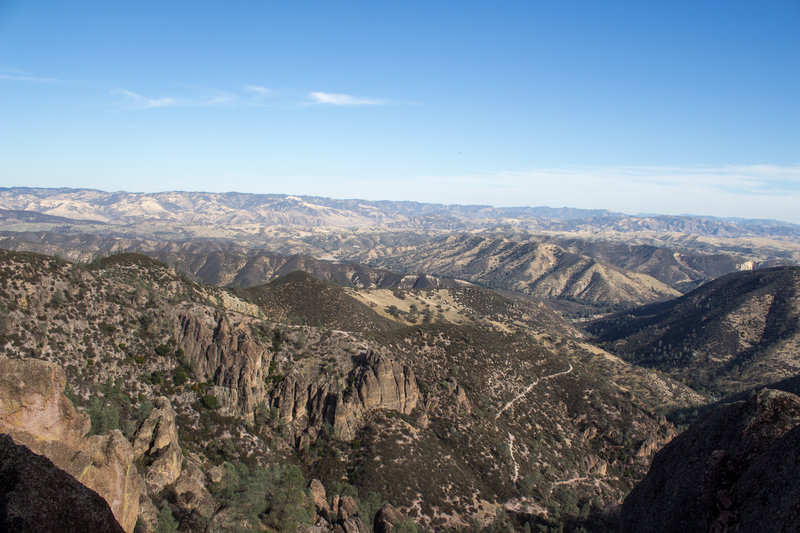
x=736 y=332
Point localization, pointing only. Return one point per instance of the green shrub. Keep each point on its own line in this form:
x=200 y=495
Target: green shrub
x=163 y=350
x=273 y=496
x=166 y=522
x=210 y=402
x=179 y=376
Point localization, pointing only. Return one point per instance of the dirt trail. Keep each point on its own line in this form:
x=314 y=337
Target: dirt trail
x=515 y=477
x=570 y=481
x=530 y=387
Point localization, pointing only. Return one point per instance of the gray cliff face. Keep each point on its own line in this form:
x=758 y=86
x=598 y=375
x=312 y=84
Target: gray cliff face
x=307 y=403
x=227 y=355
x=736 y=470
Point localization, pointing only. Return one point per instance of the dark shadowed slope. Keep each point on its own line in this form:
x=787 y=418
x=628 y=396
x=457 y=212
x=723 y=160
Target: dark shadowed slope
x=301 y=298
x=739 y=331
x=736 y=470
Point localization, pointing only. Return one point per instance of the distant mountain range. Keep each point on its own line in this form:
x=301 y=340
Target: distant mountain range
x=241 y=209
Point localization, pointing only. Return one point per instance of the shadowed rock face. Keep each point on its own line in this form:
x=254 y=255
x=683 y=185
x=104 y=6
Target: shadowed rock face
x=35 y=496
x=736 y=470
x=35 y=413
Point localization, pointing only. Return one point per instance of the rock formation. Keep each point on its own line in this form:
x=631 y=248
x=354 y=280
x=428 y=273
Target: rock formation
x=35 y=413
x=377 y=382
x=381 y=382
x=341 y=517
x=228 y=355
x=736 y=470
x=156 y=442
x=387 y=519
x=36 y=496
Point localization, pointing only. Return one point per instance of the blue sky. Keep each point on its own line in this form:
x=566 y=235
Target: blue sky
x=672 y=107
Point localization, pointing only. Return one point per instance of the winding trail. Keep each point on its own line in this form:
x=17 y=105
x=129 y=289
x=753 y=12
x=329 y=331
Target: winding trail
x=570 y=481
x=515 y=477
x=530 y=387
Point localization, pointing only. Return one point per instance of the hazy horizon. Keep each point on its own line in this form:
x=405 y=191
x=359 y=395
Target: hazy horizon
x=378 y=200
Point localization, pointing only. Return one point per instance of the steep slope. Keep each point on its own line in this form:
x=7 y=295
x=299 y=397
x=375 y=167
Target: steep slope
x=246 y=269
x=467 y=305
x=736 y=332
x=541 y=269
x=35 y=413
x=736 y=470
x=219 y=262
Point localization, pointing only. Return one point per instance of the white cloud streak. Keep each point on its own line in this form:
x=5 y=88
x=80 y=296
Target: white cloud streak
x=142 y=102
x=17 y=75
x=258 y=91
x=344 y=99
x=139 y=101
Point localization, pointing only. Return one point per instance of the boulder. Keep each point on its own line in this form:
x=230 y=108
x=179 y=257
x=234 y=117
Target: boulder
x=347 y=508
x=387 y=519
x=190 y=489
x=320 y=498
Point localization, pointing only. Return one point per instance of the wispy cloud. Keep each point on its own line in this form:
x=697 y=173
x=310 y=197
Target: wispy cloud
x=16 y=75
x=258 y=91
x=345 y=99
x=143 y=102
x=139 y=101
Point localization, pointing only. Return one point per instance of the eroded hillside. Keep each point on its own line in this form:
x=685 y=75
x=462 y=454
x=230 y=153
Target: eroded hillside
x=510 y=419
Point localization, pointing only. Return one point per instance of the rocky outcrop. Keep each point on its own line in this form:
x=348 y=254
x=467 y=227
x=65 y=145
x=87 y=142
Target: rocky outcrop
x=320 y=499
x=592 y=464
x=388 y=519
x=341 y=517
x=736 y=470
x=35 y=412
x=156 y=444
x=227 y=355
x=382 y=383
x=36 y=496
x=377 y=382
x=306 y=405
x=190 y=489
x=193 y=502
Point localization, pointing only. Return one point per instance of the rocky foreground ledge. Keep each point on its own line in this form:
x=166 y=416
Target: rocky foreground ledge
x=35 y=412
